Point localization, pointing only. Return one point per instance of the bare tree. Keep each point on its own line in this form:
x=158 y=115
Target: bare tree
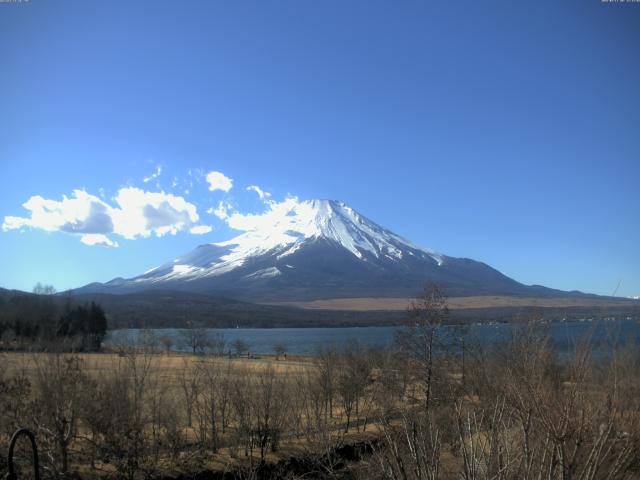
x=190 y=388
x=326 y=361
x=410 y=448
x=209 y=402
x=167 y=342
x=224 y=391
x=353 y=373
x=240 y=346
x=538 y=416
x=242 y=405
x=15 y=405
x=270 y=409
x=280 y=349
x=320 y=434
x=119 y=416
x=59 y=383
x=393 y=381
x=40 y=289
x=419 y=337
x=148 y=341
x=196 y=339
x=218 y=344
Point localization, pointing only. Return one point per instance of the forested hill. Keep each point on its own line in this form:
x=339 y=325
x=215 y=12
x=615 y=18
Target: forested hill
x=41 y=321
x=170 y=309
x=48 y=314
x=181 y=309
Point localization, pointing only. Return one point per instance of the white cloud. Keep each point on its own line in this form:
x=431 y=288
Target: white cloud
x=97 y=239
x=82 y=213
x=262 y=221
x=261 y=193
x=219 y=181
x=200 y=229
x=137 y=213
x=221 y=211
x=141 y=213
x=155 y=174
x=255 y=221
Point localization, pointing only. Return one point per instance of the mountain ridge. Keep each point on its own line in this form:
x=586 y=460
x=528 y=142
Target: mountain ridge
x=319 y=249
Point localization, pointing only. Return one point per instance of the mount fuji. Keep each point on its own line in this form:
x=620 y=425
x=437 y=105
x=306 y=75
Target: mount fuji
x=319 y=249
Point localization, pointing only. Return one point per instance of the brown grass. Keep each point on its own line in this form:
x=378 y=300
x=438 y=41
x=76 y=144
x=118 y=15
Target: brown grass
x=395 y=304
x=171 y=365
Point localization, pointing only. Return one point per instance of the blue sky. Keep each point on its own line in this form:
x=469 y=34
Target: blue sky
x=507 y=132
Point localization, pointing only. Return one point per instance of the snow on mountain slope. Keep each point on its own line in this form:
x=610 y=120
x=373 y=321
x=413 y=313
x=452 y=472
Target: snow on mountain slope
x=305 y=250
x=285 y=230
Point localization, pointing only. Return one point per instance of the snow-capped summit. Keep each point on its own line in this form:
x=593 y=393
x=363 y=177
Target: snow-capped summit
x=315 y=249
x=280 y=233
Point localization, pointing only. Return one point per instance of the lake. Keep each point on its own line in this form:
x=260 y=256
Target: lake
x=303 y=341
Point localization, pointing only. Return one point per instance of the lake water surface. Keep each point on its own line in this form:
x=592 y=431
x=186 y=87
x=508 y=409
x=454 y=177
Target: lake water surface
x=308 y=340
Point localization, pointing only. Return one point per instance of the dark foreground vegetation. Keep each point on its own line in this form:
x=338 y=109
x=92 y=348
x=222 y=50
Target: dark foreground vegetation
x=41 y=321
x=512 y=411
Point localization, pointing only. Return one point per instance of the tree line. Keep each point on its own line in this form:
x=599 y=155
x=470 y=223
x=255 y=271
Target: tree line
x=45 y=320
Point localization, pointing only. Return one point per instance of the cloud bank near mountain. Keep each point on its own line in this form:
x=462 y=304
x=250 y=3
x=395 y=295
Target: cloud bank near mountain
x=139 y=212
x=136 y=214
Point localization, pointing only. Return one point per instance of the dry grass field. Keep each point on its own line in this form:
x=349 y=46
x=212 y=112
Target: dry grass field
x=170 y=366
x=175 y=397
x=454 y=303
